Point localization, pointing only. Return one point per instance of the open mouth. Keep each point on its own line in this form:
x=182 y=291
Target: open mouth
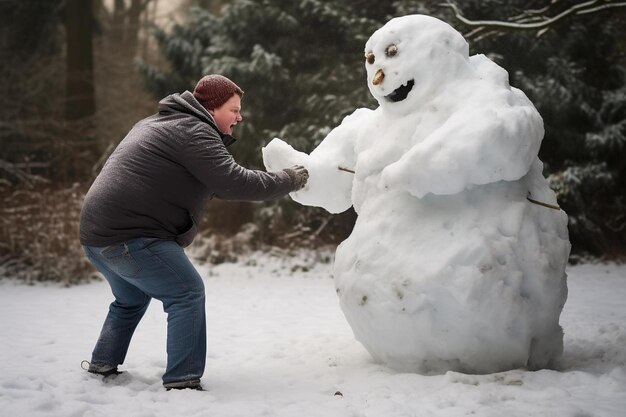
x=401 y=92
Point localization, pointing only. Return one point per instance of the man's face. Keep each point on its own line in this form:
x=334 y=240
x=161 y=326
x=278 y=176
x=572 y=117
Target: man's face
x=228 y=115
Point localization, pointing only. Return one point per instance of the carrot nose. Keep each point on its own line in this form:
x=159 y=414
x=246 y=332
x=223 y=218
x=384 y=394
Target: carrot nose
x=378 y=77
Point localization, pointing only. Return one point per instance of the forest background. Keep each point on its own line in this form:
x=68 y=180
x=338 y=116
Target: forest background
x=77 y=75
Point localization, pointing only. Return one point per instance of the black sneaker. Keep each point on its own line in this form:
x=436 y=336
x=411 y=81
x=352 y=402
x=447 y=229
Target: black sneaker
x=103 y=370
x=193 y=384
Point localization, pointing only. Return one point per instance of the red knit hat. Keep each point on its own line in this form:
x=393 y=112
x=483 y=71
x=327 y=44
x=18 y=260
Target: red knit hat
x=212 y=91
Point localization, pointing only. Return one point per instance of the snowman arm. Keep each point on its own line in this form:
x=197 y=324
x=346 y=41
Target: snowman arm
x=473 y=147
x=328 y=186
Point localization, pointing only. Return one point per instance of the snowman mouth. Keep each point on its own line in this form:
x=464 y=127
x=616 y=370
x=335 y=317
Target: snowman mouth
x=401 y=92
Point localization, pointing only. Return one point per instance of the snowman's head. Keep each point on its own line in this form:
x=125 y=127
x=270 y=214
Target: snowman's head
x=410 y=58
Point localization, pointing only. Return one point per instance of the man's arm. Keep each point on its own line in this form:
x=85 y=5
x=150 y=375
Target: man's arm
x=209 y=161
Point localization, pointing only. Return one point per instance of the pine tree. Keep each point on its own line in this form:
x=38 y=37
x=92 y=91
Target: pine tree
x=300 y=64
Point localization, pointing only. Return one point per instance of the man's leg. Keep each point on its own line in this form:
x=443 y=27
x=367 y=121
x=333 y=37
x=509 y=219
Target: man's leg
x=124 y=313
x=168 y=275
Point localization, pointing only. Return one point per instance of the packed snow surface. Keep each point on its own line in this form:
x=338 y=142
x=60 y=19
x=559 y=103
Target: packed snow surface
x=278 y=345
x=449 y=266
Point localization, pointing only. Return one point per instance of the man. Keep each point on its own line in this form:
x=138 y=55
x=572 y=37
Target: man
x=142 y=210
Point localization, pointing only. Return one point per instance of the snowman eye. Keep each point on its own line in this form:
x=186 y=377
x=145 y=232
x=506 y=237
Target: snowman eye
x=391 y=50
x=370 y=58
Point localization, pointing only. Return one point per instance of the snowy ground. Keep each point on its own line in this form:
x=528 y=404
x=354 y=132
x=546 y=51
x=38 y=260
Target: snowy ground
x=280 y=346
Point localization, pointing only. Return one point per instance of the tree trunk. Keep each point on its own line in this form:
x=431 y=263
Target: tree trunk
x=134 y=24
x=80 y=97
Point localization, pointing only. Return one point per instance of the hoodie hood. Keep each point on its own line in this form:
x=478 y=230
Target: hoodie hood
x=187 y=103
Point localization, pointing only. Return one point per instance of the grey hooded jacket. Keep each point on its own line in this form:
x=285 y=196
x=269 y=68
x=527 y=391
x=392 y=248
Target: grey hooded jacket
x=157 y=180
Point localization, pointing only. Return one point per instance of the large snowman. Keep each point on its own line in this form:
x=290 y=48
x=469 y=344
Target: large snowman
x=457 y=258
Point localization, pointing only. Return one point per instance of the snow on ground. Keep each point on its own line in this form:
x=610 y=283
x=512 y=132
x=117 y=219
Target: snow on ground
x=280 y=346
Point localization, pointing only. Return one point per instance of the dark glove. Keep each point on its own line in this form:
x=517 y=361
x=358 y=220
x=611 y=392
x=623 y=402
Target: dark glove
x=299 y=176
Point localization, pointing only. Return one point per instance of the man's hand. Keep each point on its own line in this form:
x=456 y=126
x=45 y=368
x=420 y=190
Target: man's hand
x=299 y=176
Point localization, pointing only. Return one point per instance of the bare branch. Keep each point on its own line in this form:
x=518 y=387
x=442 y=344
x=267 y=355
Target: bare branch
x=530 y=13
x=530 y=20
x=602 y=7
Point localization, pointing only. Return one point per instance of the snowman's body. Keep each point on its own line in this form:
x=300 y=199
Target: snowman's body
x=449 y=265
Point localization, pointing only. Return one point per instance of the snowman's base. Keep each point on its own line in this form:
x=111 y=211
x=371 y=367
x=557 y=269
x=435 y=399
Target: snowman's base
x=413 y=343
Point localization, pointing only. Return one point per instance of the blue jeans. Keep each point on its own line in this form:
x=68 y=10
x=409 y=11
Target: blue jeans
x=137 y=271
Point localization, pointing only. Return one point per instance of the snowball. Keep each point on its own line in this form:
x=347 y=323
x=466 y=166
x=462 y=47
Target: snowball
x=329 y=166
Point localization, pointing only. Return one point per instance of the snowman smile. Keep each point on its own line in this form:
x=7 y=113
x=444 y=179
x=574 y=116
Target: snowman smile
x=401 y=92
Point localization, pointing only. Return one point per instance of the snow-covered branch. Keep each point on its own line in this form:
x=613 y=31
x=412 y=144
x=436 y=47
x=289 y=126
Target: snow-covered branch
x=531 y=20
